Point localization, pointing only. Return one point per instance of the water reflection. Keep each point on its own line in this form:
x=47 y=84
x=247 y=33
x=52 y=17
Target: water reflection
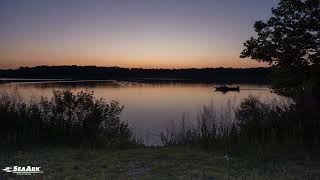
x=149 y=107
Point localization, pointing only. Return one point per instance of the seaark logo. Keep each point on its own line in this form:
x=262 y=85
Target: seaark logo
x=25 y=170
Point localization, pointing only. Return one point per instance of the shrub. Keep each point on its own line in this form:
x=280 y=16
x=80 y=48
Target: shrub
x=257 y=126
x=67 y=118
x=259 y=121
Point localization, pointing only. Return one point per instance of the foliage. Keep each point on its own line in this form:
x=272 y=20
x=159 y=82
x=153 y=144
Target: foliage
x=290 y=41
x=210 y=129
x=256 y=125
x=67 y=118
x=259 y=121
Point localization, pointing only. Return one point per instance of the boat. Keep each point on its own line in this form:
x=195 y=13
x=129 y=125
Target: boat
x=226 y=88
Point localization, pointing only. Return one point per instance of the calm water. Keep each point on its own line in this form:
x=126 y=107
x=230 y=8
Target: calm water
x=149 y=107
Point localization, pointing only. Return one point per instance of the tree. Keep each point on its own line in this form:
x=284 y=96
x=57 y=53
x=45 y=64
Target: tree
x=290 y=42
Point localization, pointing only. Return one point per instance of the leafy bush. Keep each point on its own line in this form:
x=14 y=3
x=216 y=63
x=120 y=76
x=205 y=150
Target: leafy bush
x=259 y=121
x=294 y=125
x=67 y=118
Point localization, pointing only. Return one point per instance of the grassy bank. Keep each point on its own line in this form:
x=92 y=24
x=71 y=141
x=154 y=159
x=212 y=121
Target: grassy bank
x=174 y=162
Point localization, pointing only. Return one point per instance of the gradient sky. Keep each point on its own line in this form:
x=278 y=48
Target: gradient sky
x=128 y=33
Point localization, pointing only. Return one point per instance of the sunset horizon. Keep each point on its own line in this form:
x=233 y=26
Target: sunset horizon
x=158 y=66
x=139 y=34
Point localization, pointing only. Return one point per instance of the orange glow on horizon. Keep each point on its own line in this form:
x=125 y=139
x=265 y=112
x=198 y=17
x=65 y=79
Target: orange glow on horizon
x=148 y=63
x=142 y=33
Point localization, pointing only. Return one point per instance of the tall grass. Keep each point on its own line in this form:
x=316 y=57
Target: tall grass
x=213 y=126
x=252 y=125
x=65 y=119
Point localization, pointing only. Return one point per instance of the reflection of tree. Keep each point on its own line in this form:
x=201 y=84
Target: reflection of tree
x=71 y=84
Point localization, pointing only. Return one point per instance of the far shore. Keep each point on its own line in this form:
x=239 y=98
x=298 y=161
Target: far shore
x=136 y=80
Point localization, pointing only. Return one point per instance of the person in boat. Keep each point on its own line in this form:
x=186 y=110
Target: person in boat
x=226 y=88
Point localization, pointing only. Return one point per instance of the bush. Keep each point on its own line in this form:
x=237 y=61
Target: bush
x=67 y=118
x=260 y=122
x=256 y=126
x=297 y=125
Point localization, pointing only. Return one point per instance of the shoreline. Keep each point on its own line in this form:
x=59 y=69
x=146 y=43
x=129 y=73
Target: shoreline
x=135 y=80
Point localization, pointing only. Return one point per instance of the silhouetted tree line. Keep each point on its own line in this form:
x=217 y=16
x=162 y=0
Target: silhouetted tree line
x=94 y=72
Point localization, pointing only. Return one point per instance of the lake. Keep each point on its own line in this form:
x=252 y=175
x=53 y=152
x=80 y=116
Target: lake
x=150 y=107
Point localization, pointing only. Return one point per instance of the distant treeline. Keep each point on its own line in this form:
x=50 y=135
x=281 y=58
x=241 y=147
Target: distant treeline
x=252 y=75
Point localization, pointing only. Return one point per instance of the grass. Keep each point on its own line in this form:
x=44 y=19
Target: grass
x=254 y=125
x=174 y=162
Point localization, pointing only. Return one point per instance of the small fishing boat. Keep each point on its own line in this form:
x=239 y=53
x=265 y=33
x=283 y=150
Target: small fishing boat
x=226 y=88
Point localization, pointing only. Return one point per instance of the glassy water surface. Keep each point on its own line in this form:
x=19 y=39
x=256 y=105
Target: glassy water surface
x=149 y=107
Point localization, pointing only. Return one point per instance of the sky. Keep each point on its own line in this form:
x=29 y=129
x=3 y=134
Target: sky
x=128 y=33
